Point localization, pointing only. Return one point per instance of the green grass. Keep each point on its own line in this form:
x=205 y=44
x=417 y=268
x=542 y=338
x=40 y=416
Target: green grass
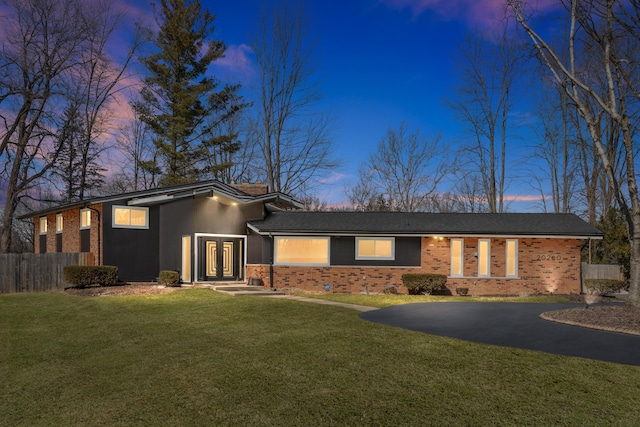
x=195 y=357
x=381 y=301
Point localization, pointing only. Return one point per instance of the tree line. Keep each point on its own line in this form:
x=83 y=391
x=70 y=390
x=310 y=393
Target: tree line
x=61 y=78
x=63 y=72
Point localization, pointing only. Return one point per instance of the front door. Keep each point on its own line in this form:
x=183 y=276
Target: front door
x=220 y=259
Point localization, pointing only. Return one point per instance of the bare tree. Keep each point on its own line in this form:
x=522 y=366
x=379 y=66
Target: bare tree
x=484 y=103
x=139 y=170
x=294 y=139
x=98 y=80
x=611 y=27
x=405 y=170
x=42 y=46
x=555 y=148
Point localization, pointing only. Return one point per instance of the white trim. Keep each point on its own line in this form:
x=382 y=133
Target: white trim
x=374 y=257
x=305 y=264
x=130 y=208
x=195 y=243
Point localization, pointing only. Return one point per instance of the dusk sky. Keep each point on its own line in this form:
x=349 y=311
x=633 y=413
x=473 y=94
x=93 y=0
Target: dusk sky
x=379 y=63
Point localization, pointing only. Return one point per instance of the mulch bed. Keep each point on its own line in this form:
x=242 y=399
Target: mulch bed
x=124 y=289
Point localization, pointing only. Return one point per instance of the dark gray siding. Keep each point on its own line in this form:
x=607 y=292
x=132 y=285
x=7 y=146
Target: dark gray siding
x=211 y=216
x=258 y=249
x=407 y=250
x=134 y=252
x=176 y=220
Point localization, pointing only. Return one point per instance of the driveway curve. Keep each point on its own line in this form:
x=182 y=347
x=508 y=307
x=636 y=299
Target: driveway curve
x=511 y=325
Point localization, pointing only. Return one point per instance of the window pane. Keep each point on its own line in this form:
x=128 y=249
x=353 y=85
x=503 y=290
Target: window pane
x=456 y=257
x=372 y=248
x=59 y=223
x=121 y=216
x=384 y=248
x=186 y=258
x=302 y=251
x=366 y=248
x=85 y=218
x=483 y=257
x=138 y=217
x=512 y=258
x=43 y=225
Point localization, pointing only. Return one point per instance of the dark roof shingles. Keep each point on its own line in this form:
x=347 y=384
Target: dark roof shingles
x=426 y=223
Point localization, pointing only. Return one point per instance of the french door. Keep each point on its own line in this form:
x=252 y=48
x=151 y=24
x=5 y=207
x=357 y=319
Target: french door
x=221 y=259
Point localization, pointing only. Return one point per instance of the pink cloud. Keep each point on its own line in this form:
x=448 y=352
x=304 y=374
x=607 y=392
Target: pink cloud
x=236 y=65
x=477 y=13
x=521 y=198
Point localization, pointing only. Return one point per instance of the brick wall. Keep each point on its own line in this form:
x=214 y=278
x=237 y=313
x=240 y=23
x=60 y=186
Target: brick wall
x=71 y=232
x=544 y=266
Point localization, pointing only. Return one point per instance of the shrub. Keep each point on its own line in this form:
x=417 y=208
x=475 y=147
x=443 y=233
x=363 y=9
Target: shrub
x=423 y=284
x=169 y=278
x=603 y=286
x=462 y=291
x=87 y=275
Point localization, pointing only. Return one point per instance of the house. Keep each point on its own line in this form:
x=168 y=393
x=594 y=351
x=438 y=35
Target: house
x=197 y=229
x=352 y=252
x=213 y=232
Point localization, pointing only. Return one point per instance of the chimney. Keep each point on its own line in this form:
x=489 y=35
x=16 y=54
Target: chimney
x=256 y=189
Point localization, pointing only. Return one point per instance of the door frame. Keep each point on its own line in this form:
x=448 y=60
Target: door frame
x=196 y=245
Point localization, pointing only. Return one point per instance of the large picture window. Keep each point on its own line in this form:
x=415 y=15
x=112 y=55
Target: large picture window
x=512 y=258
x=375 y=248
x=484 y=258
x=128 y=217
x=302 y=250
x=457 y=265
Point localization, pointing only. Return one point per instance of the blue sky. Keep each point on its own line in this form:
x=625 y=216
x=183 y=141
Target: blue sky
x=380 y=63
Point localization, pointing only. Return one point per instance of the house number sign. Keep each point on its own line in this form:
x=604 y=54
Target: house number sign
x=549 y=257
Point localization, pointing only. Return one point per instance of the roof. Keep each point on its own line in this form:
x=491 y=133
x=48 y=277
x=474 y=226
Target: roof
x=398 y=223
x=167 y=194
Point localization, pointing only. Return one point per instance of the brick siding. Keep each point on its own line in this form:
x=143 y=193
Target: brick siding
x=545 y=266
x=70 y=232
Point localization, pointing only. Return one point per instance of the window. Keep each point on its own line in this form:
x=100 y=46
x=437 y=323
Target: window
x=85 y=218
x=484 y=258
x=59 y=223
x=128 y=217
x=512 y=258
x=375 y=248
x=302 y=250
x=457 y=246
x=186 y=259
x=43 y=225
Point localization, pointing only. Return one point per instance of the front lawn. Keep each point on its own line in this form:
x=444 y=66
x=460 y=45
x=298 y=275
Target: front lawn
x=195 y=357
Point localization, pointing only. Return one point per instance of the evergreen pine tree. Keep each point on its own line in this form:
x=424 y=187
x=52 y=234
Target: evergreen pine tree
x=179 y=97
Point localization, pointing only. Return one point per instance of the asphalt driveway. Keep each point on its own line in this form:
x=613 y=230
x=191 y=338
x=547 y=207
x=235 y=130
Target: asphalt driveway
x=512 y=325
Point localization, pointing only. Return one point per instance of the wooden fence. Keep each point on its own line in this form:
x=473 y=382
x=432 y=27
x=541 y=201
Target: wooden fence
x=37 y=272
x=601 y=271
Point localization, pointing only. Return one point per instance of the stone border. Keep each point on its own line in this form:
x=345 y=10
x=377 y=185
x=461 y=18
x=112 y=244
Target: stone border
x=544 y=316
